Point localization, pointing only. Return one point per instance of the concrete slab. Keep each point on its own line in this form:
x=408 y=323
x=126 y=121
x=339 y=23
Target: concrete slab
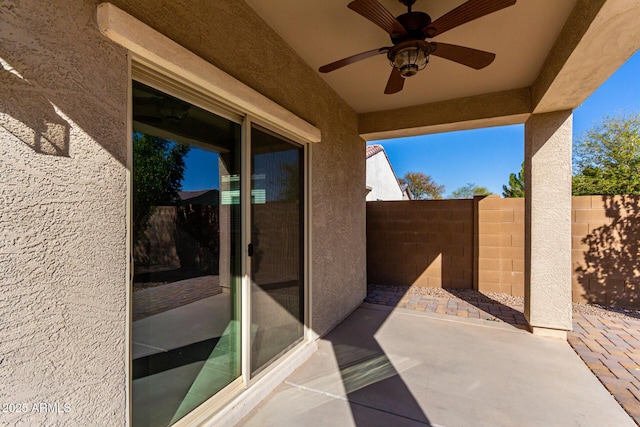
x=158 y=397
x=188 y=324
x=385 y=366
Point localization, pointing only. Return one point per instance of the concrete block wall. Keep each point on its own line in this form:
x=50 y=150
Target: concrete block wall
x=480 y=244
x=423 y=243
x=605 y=250
x=499 y=245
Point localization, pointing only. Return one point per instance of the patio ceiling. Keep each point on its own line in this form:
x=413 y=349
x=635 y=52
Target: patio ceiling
x=550 y=55
x=325 y=31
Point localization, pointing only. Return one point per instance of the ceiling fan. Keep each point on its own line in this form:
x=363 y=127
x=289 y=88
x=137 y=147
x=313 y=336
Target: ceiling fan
x=410 y=51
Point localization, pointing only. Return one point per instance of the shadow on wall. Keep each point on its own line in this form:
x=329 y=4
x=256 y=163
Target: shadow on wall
x=60 y=75
x=425 y=243
x=610 y=273
x=32 y=119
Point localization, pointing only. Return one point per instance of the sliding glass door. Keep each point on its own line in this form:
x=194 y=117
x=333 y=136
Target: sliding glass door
x=187 y=254
x=277 y=236
x=202 y=252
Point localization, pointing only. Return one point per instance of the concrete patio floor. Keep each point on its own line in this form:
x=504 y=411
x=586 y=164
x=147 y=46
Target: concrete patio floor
x=609 y=344
x=386 y=366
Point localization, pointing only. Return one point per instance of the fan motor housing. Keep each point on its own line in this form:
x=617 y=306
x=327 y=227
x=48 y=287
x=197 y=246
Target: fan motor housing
x=414 y=23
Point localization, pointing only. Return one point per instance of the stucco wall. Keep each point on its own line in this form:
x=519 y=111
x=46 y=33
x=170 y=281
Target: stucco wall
x=241 y=44
x=63 y=180
x=63 y=235
x=382 y=179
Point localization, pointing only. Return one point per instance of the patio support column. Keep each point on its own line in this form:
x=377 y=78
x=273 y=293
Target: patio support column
x=547 y=304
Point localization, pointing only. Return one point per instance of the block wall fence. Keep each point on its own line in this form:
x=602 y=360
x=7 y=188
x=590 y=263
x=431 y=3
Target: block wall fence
x=479 y=244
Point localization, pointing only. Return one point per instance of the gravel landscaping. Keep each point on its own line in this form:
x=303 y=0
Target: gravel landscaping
x=516 y=303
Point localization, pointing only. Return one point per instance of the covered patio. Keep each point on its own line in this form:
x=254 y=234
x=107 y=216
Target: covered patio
x=81 y=77
x=545 y=66
x=388 y=366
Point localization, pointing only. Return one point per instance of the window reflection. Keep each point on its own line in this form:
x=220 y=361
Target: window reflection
x=186 y=229
x=187 y=254
x=277 y=207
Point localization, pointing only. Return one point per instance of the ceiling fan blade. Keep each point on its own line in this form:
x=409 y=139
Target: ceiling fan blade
x=351 y=59
x=467 y=12
x=395 y=82
x=473 y=58
x=379 y=15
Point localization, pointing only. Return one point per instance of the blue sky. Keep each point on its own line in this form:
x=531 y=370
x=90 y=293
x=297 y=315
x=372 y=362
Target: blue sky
x=486 y=157
x=201 y=172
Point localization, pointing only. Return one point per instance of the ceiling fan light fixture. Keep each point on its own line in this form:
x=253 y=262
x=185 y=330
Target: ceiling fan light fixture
x=410 y=51
x=410 y=60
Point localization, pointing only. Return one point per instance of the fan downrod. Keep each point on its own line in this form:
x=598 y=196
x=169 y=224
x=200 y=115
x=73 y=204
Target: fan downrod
x=408 y=3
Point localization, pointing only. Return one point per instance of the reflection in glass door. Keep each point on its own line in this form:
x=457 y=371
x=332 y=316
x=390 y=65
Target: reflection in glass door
x=277 y=236
x=187 y=256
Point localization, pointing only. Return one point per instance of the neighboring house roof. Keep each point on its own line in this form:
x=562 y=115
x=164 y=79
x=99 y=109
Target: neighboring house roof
x=374 y=149
x=371 y=151
x=201 y=197
x=405 y=189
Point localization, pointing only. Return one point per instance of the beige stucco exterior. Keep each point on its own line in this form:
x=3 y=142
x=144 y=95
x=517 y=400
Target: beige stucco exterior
x=596 y=39
x=548 y=222
x=263 y=62
x=63 y=251
x=64 y=185
x=65 y=174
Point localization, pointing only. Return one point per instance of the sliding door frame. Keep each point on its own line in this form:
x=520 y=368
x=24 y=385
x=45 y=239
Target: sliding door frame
x=145 y=73
x=308 y=334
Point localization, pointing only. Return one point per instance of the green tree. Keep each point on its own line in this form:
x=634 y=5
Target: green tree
x=607 y=158
x=468 y=191
x=422 y=186
x=159 y=169
x=516 y=184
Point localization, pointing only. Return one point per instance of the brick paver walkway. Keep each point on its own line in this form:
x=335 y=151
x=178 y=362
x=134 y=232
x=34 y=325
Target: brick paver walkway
x=611 y=349
x=171 y=295
x=609 y=346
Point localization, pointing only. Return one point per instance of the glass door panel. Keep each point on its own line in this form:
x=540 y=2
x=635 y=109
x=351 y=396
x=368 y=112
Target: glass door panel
x=277 y=237
x=187 y=256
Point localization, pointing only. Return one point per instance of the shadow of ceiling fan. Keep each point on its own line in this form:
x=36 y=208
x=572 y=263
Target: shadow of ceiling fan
x=410 y=51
